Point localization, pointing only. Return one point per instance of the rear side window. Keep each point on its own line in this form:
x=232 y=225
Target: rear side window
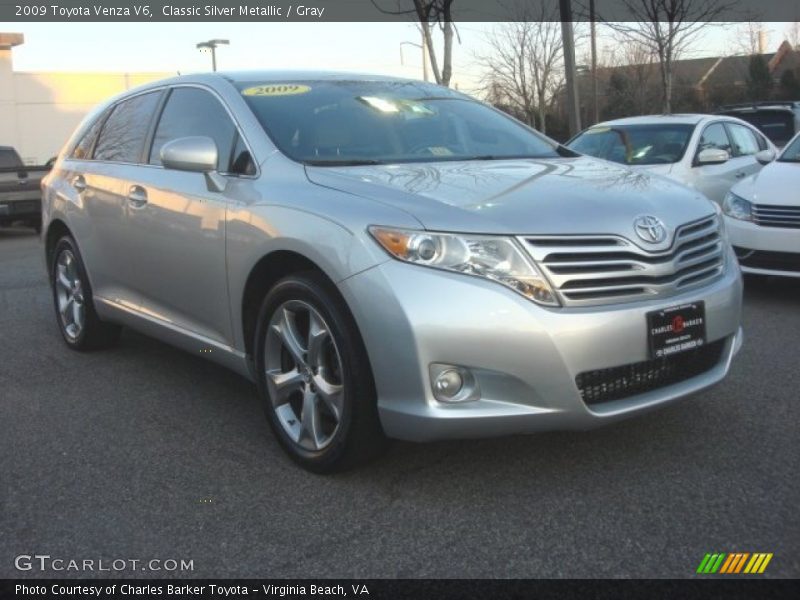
x=714 y=136
x=192 y=111
x=83 y=150
x=123 y=134
x=744 y=140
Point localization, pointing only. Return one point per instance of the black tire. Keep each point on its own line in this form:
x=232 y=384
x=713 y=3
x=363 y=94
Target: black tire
x=358 y=436
x=94 y=334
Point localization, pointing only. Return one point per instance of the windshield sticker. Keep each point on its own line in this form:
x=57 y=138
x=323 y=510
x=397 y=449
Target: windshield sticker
x=276 y=89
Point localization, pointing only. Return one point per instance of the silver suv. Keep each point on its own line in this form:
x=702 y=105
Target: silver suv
x=386 y=258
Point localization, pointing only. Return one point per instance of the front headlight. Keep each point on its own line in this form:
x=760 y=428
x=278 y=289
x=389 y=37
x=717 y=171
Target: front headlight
x=737 y=207
x=492 y=257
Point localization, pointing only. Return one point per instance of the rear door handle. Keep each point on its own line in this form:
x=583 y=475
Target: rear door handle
x=740 y=174
x=79 y=183
x=137 y=196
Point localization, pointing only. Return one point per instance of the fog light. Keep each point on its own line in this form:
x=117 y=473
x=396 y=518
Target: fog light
x=448 y=383
x=452 y=383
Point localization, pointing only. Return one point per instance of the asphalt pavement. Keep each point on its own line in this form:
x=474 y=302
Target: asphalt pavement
x=145 y=452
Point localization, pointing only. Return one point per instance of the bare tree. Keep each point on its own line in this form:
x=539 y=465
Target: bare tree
x=633 y=62
x=429 y=14
x=793 y=34
x=524 y=61
x=668 y=27
x=747 y=38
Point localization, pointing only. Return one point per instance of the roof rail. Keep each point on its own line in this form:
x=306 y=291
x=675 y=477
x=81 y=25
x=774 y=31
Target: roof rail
x=758 y=104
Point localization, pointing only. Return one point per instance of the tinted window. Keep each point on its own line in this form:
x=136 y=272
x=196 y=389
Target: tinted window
x=744 y=140
x=635 y=144
x=84 y=148
x=332 y=122
x=192 y=111
x=241 y=160
x=777 y=125
x=9 y=158
x=792 y=151
x=123 y=134
x=714 y=136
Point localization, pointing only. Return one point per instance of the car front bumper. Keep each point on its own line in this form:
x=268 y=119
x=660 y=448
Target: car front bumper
x=765 y=250
x=525 y=357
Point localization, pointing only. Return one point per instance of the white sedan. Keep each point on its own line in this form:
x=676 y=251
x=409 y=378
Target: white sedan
x=707 y=152
x=762 y=215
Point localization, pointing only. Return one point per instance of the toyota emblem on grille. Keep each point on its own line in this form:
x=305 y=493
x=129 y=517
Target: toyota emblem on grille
x=650 y=229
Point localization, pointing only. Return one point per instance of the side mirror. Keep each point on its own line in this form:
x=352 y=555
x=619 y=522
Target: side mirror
x=765 y=156
x=712 y=156
x=198 y=154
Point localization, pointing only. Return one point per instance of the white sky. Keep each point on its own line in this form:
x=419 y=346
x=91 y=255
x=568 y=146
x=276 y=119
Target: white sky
x=368 y=47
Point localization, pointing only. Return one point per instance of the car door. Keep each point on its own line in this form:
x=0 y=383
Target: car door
x=179 y=266
x=96 y=175
x=746 y=145
x=714 y=180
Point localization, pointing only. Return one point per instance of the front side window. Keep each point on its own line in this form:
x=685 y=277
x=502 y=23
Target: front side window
x=744 y=140
x=635 y=144
x=345 y=122
x=714 y=137
x=192 y=111
x=123 y=134
x=792 y=151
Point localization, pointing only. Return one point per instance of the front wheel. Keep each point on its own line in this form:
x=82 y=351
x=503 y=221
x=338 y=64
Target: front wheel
x=314 y=376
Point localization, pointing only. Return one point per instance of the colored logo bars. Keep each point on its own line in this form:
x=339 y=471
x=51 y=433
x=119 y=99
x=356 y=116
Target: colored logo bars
x=738 y=562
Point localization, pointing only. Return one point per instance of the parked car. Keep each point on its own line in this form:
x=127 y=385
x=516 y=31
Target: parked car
x=763 y=216
x=778 y=120
x=386 y=257
x=705 y=152
x=20 y=190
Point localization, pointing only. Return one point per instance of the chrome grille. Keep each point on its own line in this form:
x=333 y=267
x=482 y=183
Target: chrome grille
x=773 y=215
x=603 y=269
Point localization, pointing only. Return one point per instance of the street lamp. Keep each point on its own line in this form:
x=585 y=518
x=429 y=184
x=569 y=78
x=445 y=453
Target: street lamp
x=212 y=45
x=424 y=57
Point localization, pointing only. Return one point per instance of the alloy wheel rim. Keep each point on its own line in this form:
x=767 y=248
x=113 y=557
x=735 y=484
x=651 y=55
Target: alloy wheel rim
x=69 y=294
x=304 y=375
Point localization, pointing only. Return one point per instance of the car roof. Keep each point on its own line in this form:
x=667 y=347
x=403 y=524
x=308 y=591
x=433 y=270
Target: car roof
x=683 y=119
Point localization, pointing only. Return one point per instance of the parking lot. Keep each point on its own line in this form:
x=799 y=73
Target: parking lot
x=147 y=452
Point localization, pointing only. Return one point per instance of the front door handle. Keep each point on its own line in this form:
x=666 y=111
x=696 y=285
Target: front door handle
x=137 y=196
x=740 y=174
x=79 y=183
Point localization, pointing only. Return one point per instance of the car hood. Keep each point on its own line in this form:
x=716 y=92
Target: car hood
x=526 y=196
x=778 y=183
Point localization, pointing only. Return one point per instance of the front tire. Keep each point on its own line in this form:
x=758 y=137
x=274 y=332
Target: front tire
x=77 y=319
x=314 y=377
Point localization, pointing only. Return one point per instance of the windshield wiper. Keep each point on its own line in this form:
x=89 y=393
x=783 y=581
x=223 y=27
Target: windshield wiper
x=503 y=157
x=356 y=162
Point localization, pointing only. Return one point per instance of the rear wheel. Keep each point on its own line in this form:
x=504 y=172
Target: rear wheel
x=78 y=322
x=314 y=376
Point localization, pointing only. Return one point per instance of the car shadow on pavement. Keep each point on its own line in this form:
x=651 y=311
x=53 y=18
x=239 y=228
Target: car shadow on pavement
x=780 y=289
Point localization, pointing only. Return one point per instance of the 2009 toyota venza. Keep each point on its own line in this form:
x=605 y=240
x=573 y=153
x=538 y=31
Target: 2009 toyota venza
x=386 y=258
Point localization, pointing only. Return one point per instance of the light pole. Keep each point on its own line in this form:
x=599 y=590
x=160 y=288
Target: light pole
x=424 y=56
x=212 y=45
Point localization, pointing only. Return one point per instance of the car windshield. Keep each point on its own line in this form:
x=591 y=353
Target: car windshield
x=378 y=122
x=792 y=151
x=635 y=144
